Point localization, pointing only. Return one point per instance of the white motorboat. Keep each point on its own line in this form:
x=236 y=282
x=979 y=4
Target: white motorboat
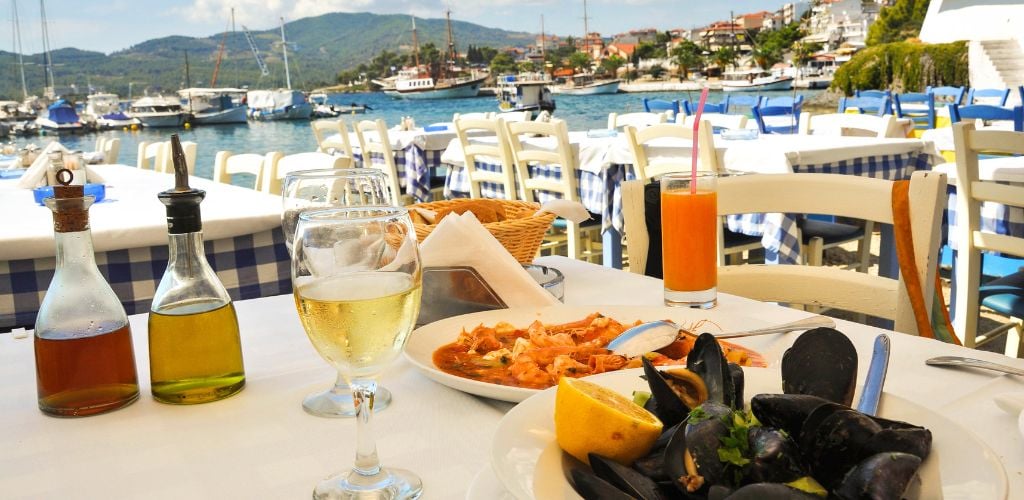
x=756 y=80
x=60 y=118
x=158 y=112
x=585 y=84
x=105 y=111
x=282 y=104
x=416 y=83
x=525 y=92
x=215 y=106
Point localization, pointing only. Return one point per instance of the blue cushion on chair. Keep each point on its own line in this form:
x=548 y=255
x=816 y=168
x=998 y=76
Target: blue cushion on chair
x=1005 y=295
x=830 y=232
x=594 y=220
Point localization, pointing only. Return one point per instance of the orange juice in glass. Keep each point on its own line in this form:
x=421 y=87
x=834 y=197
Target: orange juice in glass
x=689 y=240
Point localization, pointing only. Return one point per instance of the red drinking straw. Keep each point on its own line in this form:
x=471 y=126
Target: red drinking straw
x=696 y=128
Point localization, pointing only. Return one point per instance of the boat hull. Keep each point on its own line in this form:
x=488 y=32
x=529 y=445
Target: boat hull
x=457 y=91
x=611 y=87
x=785 y=83
x=108 y=124
x=161 y=120
x=295 y=112
x=237 y=114
x=51 y=127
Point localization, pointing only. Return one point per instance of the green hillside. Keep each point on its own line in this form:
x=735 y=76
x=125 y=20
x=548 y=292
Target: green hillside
x=318 y=48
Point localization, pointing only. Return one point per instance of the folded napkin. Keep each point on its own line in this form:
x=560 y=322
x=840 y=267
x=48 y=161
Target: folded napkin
x=35 y=175
x=462 y=241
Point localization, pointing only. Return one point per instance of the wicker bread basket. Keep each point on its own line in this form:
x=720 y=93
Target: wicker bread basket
x=521 y=233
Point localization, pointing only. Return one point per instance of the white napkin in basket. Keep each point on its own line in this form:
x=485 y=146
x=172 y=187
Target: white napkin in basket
x=462 y=241
x=35 y=175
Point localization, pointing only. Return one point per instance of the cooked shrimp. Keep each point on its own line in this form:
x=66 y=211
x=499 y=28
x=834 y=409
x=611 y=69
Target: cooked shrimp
x=527 y=373
x=565 y=366
x=600 y=363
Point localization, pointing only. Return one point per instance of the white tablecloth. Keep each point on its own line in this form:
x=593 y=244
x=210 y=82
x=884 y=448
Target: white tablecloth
x=779 y=153
x=401 y=139
x=131 y=216
x=260 y=444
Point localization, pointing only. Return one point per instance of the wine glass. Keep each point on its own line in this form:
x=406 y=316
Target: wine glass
x=306 y=190
x=357 y=280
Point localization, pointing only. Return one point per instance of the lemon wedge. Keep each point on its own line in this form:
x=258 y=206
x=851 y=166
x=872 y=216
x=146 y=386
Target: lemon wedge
x=593 y=419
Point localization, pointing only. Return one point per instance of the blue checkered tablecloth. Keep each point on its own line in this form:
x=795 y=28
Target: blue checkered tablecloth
x=413 y=163
x=995 y=218
x=779 y=232
x=249 y=266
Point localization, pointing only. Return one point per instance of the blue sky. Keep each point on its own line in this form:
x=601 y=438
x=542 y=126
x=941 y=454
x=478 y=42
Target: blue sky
x=112 y=25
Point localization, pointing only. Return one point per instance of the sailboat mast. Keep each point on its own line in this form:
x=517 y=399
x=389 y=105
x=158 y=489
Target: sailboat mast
x=220 y=55
x=284 y=49
x=543 y=55
x=415 y=45
x=18 y=49
x=47 y=61
x=453 y=55
x=586 y=30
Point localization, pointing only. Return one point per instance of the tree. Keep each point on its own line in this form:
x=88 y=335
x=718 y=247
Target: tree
x=612 y=64
x=503 y=64
x=687 y=55
x=802 y=52
x=898 y=22
x=656 y=71
x=765 y=58
x=527 y=67
x=724 y=56
x=579 y=61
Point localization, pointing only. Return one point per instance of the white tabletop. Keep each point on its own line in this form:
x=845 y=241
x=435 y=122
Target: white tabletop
x=260 y=444
x=131 y=216
x=401 y=139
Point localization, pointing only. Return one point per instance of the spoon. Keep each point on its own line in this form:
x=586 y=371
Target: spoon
x=651 y=336
x=973 y=363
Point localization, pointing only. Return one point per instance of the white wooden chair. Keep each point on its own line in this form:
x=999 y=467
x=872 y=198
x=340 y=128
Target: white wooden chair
x=110 y=147
x=381 y=146
x=638 y=120
x=850 y=124
x=499 y=153
x=582 y=237
x=1004 y=295
x=157 y=156
x=717 y=120
x=488 y=115
x=840 y=195
x=277 y=166
x=150 y=154
x=647 y=167
x=323 y=130
x=515 y=116
x=634 y=213
x=226 y=164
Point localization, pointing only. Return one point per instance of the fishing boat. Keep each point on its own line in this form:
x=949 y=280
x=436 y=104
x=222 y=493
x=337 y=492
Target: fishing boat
x=417 y=83
x=215 y=106
x=585 y=84
x=158 y=112
x=105 y=111
x=324 y=109
x=60 y=118
x=281 y=104
x=525 y=92
x=755 y=80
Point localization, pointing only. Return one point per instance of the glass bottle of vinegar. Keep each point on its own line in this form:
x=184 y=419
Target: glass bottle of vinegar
x=195 y=352
x=85 y=363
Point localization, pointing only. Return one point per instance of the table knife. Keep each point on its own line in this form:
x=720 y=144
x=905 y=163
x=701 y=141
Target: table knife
x=875 y=379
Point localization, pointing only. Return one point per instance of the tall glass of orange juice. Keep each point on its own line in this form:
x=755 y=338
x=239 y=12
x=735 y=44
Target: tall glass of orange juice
x=689 y=240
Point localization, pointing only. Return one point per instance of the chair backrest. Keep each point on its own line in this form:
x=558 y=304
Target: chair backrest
x=515 y=116
x=616 y=120
x=149 y=155
x=721 y=107
x=111 y=149
x=648 y=164
x=995 y=97
x=748 y=101
x=157 y=156
x=988 y=113
x=634 y=224
x=846 y=124
x=661 y=105
x=324 y=132
x=839 y=195
x=795 y=102
x=971 y=193
x=718 y=121
x=556 y=150
x=384 y=159
x=776 y=126
x=227 y=164
x=496 y=153
x=953 y=95
x=277 y=166
x=874 y=105
x=487 y=115
x=922 y=118
x=871 y=93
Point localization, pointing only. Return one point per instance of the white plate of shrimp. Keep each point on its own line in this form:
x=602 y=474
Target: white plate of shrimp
x=535 y=362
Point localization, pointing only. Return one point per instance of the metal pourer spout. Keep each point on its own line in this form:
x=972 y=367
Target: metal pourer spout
x=180 y=165
x=183 y=201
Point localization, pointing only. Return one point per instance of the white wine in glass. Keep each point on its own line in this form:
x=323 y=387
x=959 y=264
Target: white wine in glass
x=306 y=190
x=357 y=280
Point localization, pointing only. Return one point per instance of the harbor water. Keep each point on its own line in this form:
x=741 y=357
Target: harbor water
x=289 y=137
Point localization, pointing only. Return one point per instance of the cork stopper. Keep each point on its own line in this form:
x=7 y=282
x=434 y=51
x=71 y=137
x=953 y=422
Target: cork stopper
x=69 y=204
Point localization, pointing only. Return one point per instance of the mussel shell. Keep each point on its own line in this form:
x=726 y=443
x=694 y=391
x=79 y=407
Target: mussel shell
x=821 y=362
x=837 y=444
x=624 y=478
x=736 y=371
x=916 y=441
x=883 y=475
x=707 y=360
x=770 y=491
x=702 y=441
x=591 y=487
x=776 y=457
x=784 y=411
x=667 y=406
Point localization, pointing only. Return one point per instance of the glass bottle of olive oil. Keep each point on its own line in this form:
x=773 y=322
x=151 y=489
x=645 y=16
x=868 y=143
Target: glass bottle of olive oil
x=195 y=352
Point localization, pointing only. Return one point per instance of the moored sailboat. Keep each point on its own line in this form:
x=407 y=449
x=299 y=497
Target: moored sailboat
x=416 y=83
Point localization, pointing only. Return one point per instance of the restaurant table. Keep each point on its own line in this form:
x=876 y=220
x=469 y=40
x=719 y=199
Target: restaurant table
x=605 y=162
x=241 y=228
x=261 y=444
